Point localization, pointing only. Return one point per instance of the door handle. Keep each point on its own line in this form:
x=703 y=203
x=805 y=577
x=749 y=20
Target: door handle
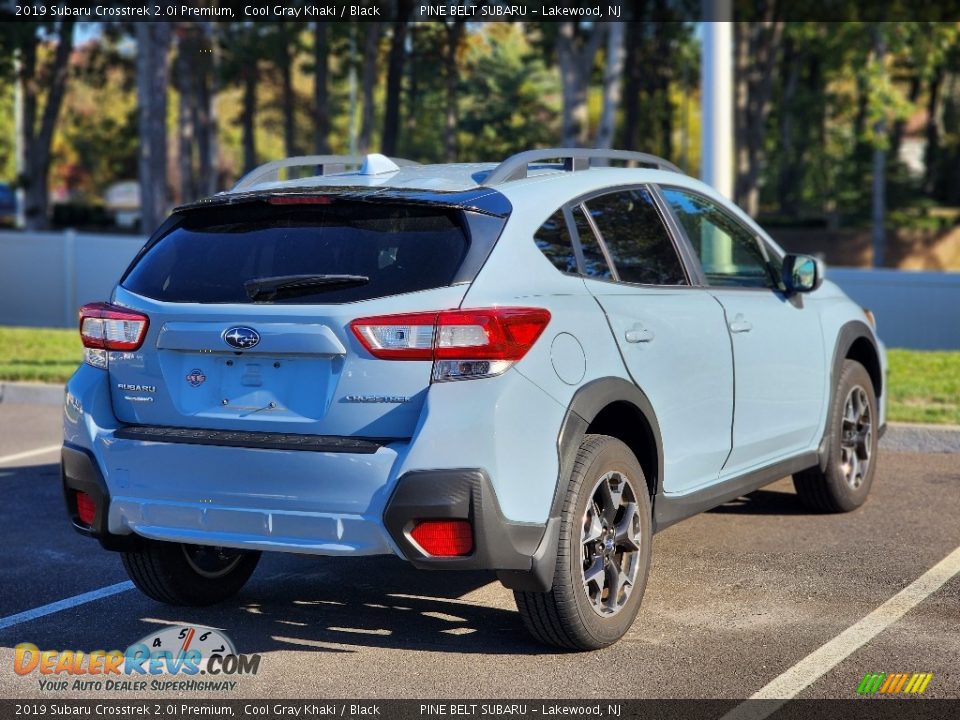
x=638 y=334
x=739 y=325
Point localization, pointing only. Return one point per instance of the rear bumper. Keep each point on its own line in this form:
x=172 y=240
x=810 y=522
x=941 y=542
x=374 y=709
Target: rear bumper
x=306 y=501
x=296 y=501
x=516 y=551
x=193 y=508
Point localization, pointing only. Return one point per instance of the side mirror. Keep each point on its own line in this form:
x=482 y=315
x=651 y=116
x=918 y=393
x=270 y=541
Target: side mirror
x=802 y=273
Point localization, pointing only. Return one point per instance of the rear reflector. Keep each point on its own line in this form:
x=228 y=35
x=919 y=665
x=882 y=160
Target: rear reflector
x=106 y=327
x=462 y=343
x=86 y=509
x=444 y=538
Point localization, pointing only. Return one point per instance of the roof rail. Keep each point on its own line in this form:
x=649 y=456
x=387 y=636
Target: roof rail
x=574 y=159
x=324 y=164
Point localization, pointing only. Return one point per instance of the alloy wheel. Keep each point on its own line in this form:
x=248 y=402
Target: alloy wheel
x=610 y=540
x=856 y=437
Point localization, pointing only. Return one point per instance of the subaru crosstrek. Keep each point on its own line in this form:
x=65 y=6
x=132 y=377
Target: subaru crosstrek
x=527 y=368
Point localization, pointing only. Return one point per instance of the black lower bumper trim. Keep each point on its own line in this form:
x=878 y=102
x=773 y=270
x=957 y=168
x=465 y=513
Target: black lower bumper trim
x=499 y=544
x=254 y=440
x=79 y=473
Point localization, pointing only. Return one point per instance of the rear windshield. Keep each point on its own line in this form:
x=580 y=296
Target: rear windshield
x=211 y=255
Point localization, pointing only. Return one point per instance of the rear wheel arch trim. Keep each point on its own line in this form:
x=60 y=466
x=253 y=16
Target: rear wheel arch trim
x=585 y=406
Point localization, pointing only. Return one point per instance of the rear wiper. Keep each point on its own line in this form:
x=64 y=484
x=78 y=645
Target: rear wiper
x=279 y=286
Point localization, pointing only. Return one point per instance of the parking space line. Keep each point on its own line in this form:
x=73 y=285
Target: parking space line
x=818 y=663
x=66 y=604
x=29 y=453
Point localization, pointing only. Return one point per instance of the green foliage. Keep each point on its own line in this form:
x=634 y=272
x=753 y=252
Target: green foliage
x=97 y=143
x=424 y=106
x=39 y=355
x=848 y=100
x=7 y=149
x=511 y=102
x=924 y=386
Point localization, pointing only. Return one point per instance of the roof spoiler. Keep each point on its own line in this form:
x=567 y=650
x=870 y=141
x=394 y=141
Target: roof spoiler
x=371 y=164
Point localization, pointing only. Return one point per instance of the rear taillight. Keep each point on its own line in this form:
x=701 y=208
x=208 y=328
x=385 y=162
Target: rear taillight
x=105 y=327
x=463 y=344
x=443 y=538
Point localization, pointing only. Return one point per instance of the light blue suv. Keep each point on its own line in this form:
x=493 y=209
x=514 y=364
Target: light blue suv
x=528 y=368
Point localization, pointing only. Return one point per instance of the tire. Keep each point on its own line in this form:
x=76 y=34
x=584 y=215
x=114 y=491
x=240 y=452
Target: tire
x=851 y=447
x=582 y=615
x=192 y=575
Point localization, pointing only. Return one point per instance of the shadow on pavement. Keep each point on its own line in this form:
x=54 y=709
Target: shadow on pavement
x=292 y=602
x=318 y=605
x=764 y=502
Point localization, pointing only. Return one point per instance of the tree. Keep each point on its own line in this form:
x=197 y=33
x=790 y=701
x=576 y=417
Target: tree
x=879 y=205
x=577 y=46
x=284 y=43
x=208 y=145
x=451 y=75
x=612 y=76
x=395 y=63
x=197 y=80
x=371 y=51
x=153 y=43
x=185 y=68
x=96 y=141
x=755 y=60
x=513 y=100
x=33 y=73
x=657 y=41
x=242 y=45
x=321 y=96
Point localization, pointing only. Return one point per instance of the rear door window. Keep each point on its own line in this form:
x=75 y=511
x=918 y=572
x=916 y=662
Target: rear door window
x=636 y=238
x=594 y=261
x=213 y=256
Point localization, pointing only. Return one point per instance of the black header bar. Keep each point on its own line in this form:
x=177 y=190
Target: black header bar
x=468 y=10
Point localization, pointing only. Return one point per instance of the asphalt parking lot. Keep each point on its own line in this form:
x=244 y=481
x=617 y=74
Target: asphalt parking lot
x=736 y=597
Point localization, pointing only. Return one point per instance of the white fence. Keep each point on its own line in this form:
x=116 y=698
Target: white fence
x=45 y=277
x=919 y=310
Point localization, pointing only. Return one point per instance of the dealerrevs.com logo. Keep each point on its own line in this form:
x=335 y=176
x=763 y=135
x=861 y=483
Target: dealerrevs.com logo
x=173 y=659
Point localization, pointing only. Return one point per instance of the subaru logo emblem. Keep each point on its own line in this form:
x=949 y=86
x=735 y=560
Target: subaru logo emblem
x=241 y=338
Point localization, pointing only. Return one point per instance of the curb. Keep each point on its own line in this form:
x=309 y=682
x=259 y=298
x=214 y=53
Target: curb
x=911 y=437
x=31 y=393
